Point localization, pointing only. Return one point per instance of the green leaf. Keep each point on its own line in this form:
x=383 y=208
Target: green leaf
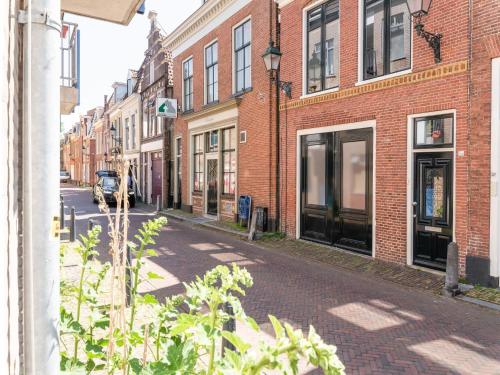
x=151 y=253
x=135 y=365
x=237 y=341
x=152 y=276
x=251 y=321
x=149 y=299
x=278 y=328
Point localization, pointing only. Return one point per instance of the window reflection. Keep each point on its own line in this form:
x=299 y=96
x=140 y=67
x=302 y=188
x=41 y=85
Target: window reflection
x=434 y=192
x=354 y=175
x=316 y=175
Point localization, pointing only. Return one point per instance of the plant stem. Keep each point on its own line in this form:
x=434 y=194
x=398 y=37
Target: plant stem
x=79 y=305
x=213 y=316
x=264 y=361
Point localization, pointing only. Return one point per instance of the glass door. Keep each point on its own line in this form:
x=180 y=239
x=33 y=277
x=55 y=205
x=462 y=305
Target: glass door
x=353 y=190
x=316 y=187
x=212 y=177
x=433 y=227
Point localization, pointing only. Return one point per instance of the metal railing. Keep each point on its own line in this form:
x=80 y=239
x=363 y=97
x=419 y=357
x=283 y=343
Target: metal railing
x=70 y=55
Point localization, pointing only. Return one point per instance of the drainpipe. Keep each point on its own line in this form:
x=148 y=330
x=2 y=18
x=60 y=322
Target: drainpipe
x=41 y=183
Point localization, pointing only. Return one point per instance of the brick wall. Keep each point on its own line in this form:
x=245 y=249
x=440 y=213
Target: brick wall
x=388 y=103
x=256 y=157
x=485 y=46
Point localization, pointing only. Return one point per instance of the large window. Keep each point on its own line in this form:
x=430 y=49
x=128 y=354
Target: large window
x=198 y=166
x=229 y=160
x=212 y=73
x=387 y=37
x=187 y=75
x=132 y=135
x=323 y=47
x=127 y=134
x=243 y=56
x=145 y=120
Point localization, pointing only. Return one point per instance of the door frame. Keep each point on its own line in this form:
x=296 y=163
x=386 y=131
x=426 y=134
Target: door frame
x=211 y=156
x=410 y=170
x=176 y=174
x=333 y=129
x=495 y=170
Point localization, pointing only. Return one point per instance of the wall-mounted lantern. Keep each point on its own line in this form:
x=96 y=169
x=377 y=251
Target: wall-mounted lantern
x=272 y=58
x=418 y=9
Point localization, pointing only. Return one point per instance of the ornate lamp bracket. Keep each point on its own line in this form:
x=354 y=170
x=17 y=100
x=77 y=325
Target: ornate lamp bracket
x=434 y=40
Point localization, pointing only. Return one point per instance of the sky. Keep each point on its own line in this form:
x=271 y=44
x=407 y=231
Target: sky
x=108 y=51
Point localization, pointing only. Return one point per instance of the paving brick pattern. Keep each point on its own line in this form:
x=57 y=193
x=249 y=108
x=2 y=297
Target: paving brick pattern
x=379 y=327
x=399 y=274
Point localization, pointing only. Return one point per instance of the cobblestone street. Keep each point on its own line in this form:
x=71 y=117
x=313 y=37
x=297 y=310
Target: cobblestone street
x=378 y=326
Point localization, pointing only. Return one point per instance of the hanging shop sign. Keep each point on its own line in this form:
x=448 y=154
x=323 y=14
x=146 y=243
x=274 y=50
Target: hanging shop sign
x=166 y=107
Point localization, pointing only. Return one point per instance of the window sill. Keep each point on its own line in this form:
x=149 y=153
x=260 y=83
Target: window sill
x=305 y=96
x=227 y=196
x=381 y=78
x=211 y=104
x=187 y=112
x=197 y=193
x=242 y=92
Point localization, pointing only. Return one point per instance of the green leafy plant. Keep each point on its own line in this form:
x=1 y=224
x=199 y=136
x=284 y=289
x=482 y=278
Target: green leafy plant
x=185 y=335
x=100 y=332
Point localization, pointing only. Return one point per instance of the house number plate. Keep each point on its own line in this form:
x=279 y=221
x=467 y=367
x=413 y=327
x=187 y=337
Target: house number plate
x=433 y=229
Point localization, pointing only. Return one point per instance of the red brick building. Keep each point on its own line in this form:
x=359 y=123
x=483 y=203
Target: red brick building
x=224 y=137
x=387 y=146
x=382 y=154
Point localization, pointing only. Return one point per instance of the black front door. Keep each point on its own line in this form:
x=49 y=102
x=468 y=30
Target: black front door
x=336 y=189
x=353 y=190
x=212 y=186
x=316 y=196
x=433 y=208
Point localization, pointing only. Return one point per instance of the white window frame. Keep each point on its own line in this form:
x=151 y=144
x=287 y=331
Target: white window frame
x=305 y=94
x=361 y=33
x=411 y=151
x=205 y=80
x=369 y=124
x=183 y=88
x=151 y=71
x=233 y=52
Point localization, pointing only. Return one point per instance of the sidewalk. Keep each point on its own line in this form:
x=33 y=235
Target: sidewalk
x=410 y=277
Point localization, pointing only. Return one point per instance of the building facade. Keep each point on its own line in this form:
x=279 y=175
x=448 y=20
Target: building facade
x=155 y=140
x=384 y=152
x=131 y=109
x=224 y=136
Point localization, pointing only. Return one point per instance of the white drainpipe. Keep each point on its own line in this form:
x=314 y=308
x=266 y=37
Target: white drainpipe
x=41 y=184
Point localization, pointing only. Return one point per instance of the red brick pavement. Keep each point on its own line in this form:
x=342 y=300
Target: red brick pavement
x=379 y=327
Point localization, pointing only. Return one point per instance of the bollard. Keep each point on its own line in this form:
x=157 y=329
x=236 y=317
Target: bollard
x=157 y=203
x=72 y=225
x=229 y=325
x=128 y=277
x=451 y=281
x=61 y=213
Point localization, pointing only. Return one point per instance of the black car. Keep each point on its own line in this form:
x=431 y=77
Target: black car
x=109 y=186
x=105 y=173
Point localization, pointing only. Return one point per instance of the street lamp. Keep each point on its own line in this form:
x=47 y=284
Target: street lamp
x=314 y=71
x=418 y=9
x=272 y=58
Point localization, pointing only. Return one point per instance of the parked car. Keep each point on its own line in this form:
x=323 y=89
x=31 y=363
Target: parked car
x=103 y=173
x=109 y=186
x=64 y=176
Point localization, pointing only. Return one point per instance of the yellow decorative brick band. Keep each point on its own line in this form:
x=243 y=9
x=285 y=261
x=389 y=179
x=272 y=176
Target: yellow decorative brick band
x=425 y=75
